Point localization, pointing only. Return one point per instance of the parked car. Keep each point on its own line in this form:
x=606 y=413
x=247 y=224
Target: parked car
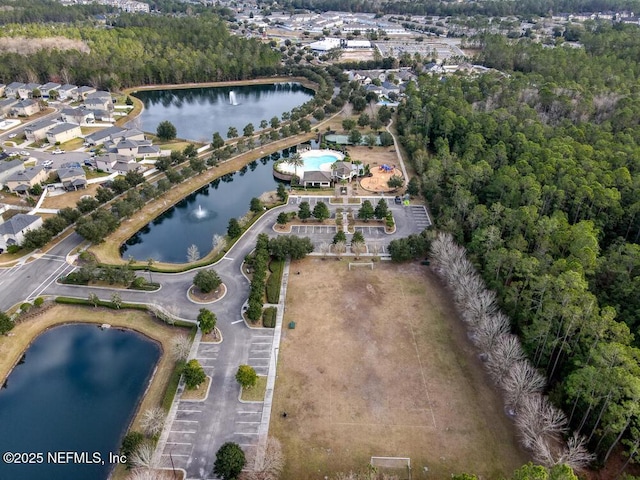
x=47 y=164
x=398 y=200
x=13 y=135
x=57 y=151
x=23 y=153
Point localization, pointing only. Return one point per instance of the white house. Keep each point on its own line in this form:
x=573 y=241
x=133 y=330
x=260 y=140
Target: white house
x=12 y=231
x=77 y=116
x=63 y=132
x=8 y=169
x=66 y=91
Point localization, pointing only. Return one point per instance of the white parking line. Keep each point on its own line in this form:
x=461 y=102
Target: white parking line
x=183 y=431
x=254 y=423
x=237 y=321
x=249 y=411
x=245 y=445
x=190 y=411
x=189 y=421
x=179 y=443
x=261 y=343
x=245 y=433
x=175 y=455
x=259 y=358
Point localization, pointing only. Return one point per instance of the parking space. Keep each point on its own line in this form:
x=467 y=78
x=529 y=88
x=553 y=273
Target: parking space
x=371 y=231
x=313 y=229
x=420 y=216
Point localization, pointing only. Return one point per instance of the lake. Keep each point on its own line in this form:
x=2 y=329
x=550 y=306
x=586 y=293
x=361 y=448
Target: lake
x=203 y=214
x=199 y=112
x=76 y=390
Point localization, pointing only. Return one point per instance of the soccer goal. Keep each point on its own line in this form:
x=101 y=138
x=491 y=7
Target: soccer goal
x=360 y=264
x=395 y=467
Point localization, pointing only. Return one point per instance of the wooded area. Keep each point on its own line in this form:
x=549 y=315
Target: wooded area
x=538 y=174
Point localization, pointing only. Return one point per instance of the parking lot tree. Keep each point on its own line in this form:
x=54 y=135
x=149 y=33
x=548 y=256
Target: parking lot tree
x=381 y=209
x=246 y=376
x=357 y=237
x=304 y=211
x=321 y=211
x=230 y=461
x=339 y=237
x=207 y=280
x=366 y=211
x=166 y=131
x=193 y=374
x=207 y=320
x=283 y=218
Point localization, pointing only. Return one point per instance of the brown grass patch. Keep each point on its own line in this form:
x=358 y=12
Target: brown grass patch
x=28 y=46
x=255 y=393
x=379 y=365
x=69 y=199
x=197 y=393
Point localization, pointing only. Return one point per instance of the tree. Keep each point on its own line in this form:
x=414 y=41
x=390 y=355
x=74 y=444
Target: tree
x=348 y=124
x=207 y=320
x=6 y=324
x=93 y=299
x=281 y=192
x=339 y=237
x=321 y=211
x=193 y=254
x=381 y=209
x=116 y=300
x=193 y=374
x=304 y=211
x=181 y=348
x=283 y=218
x=355 y=137
x=234 y=230
x=197 y=164
x=296 y=161
x=256 y=205
x=230 y=461
x=275 y=122
x=207 y=280
x=166 y=131
x=232 y=132
x=248 y=130
x=246 y=376
x=413 y=187
x=366 y=211
x=263 y=124
x=190 y=151
x=395 y=181
x=386 y=139
x=153 y=420
x=217 y=141
x=364 y=120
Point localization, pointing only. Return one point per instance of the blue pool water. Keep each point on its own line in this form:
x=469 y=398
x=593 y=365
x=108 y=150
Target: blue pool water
x=314 y=163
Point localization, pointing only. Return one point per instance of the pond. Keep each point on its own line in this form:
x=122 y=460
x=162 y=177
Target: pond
x=199 y=112
x=75 y=390
x=196 y=219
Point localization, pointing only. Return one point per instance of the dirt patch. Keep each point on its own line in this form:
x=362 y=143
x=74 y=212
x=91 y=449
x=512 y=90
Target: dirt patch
x=69 y=199
x=376 y=157
x=199 y=297
x=379 y=365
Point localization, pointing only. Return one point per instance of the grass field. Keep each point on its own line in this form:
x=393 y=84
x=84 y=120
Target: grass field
x=379 y=365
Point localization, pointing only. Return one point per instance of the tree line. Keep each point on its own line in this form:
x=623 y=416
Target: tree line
x=545 y=202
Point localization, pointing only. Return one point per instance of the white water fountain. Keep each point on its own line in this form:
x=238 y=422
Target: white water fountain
x=232 y=98
x=200 y=213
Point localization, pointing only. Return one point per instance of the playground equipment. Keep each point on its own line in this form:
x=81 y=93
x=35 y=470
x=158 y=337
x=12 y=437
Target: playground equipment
x=386 y=168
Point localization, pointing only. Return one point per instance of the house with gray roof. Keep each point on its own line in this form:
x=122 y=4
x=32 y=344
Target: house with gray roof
x=101 y=136
x=316 y=178
x=72 y=178
x=25 y=108
x=6 y=105
x=81 y=92
x=22 y=181
x=26 y=91
x=77 y=116
x=63 y=132
x=7 y=169
x=11 y=90
x=48 y=87
x=346 y=171
x=12 y=231
x=66 y=91
x=38 y=130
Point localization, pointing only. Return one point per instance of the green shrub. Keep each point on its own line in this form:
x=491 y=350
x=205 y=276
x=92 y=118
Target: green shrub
x=38 y=302
x=130 y=443
x=13 y=248
x=269 y=317
x=25 y=307
x=272 y=289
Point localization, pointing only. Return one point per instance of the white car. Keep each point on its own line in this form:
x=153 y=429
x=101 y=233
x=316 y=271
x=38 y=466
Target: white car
x=13 y=135
x=57 y=151
x=23 y=153
x=47 y=163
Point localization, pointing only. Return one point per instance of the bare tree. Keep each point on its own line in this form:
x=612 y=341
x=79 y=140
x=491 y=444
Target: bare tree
x=181 y=348
x=116 y=299
x=325 y=248
x=217 y=241
x=539 y=421
x=575 y=454
x=339 y=248
x=522 y=381
x=193 y=254
x=358 y=248
x=153 y=420
x=489 y=330
x=506 y=351
x=144 y=456
x=93 y=298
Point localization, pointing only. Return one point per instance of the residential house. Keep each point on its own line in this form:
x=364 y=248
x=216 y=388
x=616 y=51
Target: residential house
x=2 y=87
x=77 y=116
x=81 y=93
x=12 y=231
x=21 y=182
x=25 y=108
x=11 y=90
x=26 y=90
x=127 y=147
x=38 y=130
x=345 y=171
x=66 y=91
x=131 y=143
x=112 y=162
x=48 y=87
x=72 y=178
x=101 y=136
x=7 y=169
x=6 y=105
x=63 y=132
x=390 y=88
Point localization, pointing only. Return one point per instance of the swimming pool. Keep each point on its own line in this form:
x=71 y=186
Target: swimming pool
x=314 y=160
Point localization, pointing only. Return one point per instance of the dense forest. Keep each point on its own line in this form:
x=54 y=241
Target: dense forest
x=537 y=173
x=492 y=8
x=139 y=50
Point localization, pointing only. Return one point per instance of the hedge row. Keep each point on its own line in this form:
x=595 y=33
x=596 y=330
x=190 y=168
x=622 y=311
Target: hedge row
x=269 y=317
x=273 y=282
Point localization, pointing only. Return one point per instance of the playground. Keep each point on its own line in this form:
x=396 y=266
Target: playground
x=379 y=365
x=383 y=164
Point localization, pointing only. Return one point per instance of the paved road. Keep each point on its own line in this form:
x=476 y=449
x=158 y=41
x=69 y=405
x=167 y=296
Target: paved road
x=199 y=428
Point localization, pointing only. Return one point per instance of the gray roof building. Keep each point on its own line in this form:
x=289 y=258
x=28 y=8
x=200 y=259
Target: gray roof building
x=18 y=223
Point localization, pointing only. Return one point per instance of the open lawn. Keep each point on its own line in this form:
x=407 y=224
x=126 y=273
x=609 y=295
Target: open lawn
x=69 y=199
x=380 y=365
